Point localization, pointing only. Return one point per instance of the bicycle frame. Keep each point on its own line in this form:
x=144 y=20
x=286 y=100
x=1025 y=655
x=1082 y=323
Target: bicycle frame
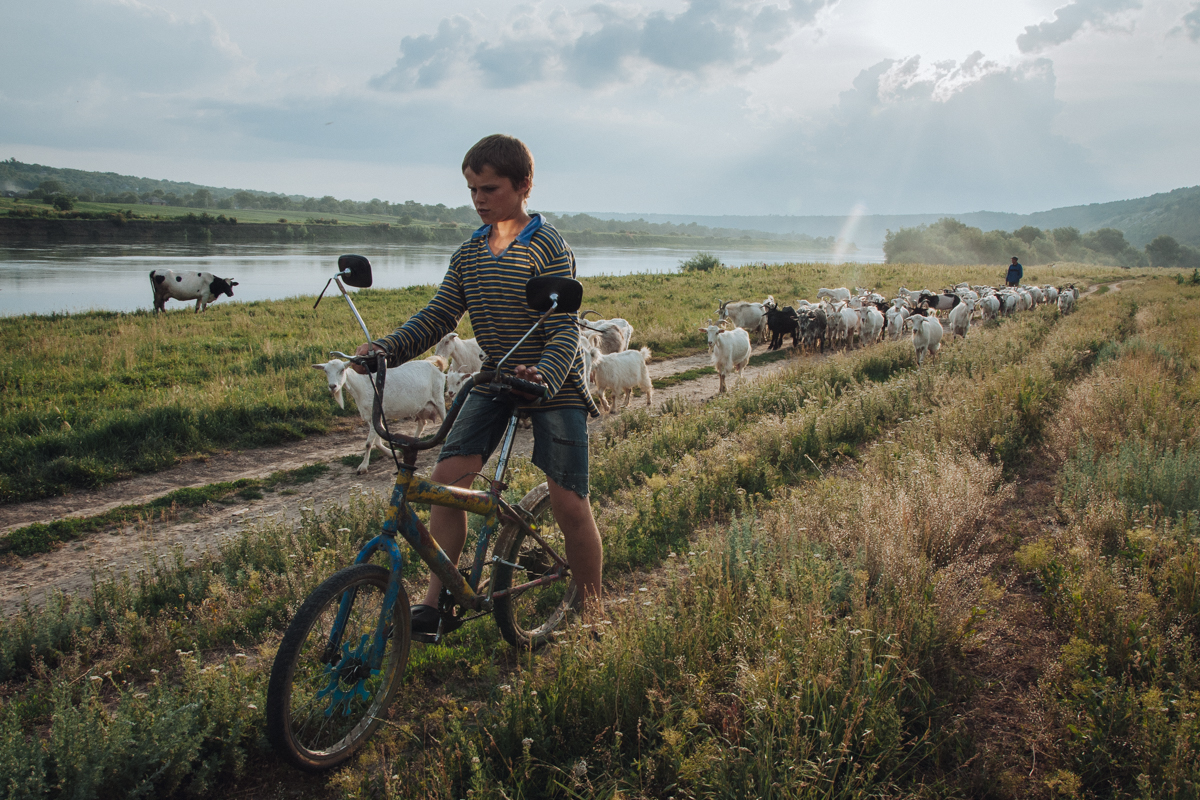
x=489 y=504
x=408 y=488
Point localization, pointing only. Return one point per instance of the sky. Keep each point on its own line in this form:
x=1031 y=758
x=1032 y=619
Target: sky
x=661 y=106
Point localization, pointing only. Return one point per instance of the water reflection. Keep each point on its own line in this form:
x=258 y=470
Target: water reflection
x=73 y=278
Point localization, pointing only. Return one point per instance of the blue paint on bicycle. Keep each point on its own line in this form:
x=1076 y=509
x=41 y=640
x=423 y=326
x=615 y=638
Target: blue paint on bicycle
x=350 y=665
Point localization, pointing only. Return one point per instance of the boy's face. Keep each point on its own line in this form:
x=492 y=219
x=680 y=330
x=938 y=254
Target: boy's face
x=494 y=196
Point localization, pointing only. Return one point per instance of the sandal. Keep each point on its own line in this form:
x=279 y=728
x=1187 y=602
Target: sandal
x=424 y=619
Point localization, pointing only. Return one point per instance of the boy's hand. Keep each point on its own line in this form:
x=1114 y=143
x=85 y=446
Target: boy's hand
x=527 y=374
x=530 y=374
x=365 y=349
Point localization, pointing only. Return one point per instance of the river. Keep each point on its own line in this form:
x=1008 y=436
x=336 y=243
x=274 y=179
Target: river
x=75 y=278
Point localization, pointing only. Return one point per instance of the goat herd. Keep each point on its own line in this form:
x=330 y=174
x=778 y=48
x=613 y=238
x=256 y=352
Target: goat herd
x=840 y=318
x=420 y=390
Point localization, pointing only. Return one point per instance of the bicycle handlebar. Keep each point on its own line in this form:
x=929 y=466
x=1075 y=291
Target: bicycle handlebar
x=501 y=382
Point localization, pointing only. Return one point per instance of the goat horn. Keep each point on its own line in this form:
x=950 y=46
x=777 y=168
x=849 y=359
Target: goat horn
x=589 y=311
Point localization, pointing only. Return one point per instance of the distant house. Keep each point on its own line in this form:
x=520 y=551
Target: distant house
x=156 y=201
x=9 y=193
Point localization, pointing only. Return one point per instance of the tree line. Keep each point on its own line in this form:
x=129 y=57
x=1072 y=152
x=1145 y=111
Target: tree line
x=949 y=241
x=62 y=188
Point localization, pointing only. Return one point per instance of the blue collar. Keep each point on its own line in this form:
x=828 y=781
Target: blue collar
x=524 y=237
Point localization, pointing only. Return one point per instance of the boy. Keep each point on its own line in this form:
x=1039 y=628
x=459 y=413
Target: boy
x=487 y=278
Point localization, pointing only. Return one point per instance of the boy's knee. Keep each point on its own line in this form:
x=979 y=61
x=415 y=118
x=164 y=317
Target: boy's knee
x=457 y=469
x=570 y=507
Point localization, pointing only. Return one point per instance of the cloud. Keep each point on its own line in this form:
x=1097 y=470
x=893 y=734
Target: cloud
x=947 y=136
x=427 y=60
x=123 y=46
x=1191 y=23
x=1069 y=20
x=104 y=74
x=602 y=44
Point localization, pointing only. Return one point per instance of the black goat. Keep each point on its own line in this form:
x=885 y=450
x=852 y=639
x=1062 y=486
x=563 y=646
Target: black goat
x=938 y=302
x=782 y=322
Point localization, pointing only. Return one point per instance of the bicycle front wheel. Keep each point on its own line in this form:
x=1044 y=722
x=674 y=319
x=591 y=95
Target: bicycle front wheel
x=528 y=617
x=325 y=699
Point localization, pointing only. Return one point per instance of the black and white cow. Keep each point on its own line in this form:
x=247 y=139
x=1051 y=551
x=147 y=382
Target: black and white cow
x=203 y=287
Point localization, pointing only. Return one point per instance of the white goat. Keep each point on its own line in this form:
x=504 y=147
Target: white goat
x=927 y=335
x=872 y=323
x=1066 y=302
x=730 y=350
x=609 y=335
x=850 y=325
x=990 y=307
x=416 y=390
x=960 y=318
x=454 y=384
x=842 y=294
x=896 y=316
x=746 y=315
x=620 y=372
x=464 y=355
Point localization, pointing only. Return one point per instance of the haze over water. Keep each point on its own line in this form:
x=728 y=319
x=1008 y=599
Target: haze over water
x=75 y=278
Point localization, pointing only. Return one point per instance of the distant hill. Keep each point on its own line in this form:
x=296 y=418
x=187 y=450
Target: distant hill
x=18 y=177
x=34 y=181
x=1175 y=214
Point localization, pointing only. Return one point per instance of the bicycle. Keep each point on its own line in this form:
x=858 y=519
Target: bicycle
x=343 y=655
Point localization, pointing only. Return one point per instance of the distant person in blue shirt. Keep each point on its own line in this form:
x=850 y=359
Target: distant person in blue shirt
x=1015 y=271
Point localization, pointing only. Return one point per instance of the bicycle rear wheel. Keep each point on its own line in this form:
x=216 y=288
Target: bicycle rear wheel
x=528 y=618
x=323 y=702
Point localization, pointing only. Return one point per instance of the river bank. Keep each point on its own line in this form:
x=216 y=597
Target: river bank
x=204 y=228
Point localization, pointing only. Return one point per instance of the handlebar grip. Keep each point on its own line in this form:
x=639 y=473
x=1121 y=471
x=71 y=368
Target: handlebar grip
x=527 y=387
x=371 y=361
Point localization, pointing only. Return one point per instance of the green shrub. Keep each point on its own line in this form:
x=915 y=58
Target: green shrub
x=701 y=262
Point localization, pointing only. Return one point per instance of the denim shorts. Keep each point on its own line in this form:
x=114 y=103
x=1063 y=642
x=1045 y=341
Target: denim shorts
x=560 y=438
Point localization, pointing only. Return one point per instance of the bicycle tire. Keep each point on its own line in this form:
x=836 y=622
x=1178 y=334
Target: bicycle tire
x=528 y=620
x=303 y=690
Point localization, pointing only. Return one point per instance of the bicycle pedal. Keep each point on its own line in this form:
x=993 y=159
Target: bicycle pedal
x=426 y=638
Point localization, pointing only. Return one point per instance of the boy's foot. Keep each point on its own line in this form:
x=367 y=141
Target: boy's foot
x=424 y=619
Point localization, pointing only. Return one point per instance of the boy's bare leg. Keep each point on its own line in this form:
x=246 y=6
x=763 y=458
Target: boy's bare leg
x=573 y=513
x=582 y=538
x=448 y=526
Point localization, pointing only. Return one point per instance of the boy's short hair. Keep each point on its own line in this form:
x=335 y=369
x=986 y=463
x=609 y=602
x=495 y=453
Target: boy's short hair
x=508 y=155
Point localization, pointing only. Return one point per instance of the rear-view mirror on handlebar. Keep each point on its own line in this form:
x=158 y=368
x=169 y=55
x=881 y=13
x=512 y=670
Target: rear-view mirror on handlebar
x=542 y=291
x=355 y=271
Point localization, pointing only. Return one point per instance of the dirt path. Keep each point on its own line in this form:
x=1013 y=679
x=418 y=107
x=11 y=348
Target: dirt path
x=1112 y=287
x=70 y=568
x=1016 y=644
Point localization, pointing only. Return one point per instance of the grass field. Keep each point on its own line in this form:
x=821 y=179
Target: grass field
x=797 y=571
x=90 y=398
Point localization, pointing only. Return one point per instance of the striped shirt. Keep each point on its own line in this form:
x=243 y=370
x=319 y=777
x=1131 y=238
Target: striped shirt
x=492 y=289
